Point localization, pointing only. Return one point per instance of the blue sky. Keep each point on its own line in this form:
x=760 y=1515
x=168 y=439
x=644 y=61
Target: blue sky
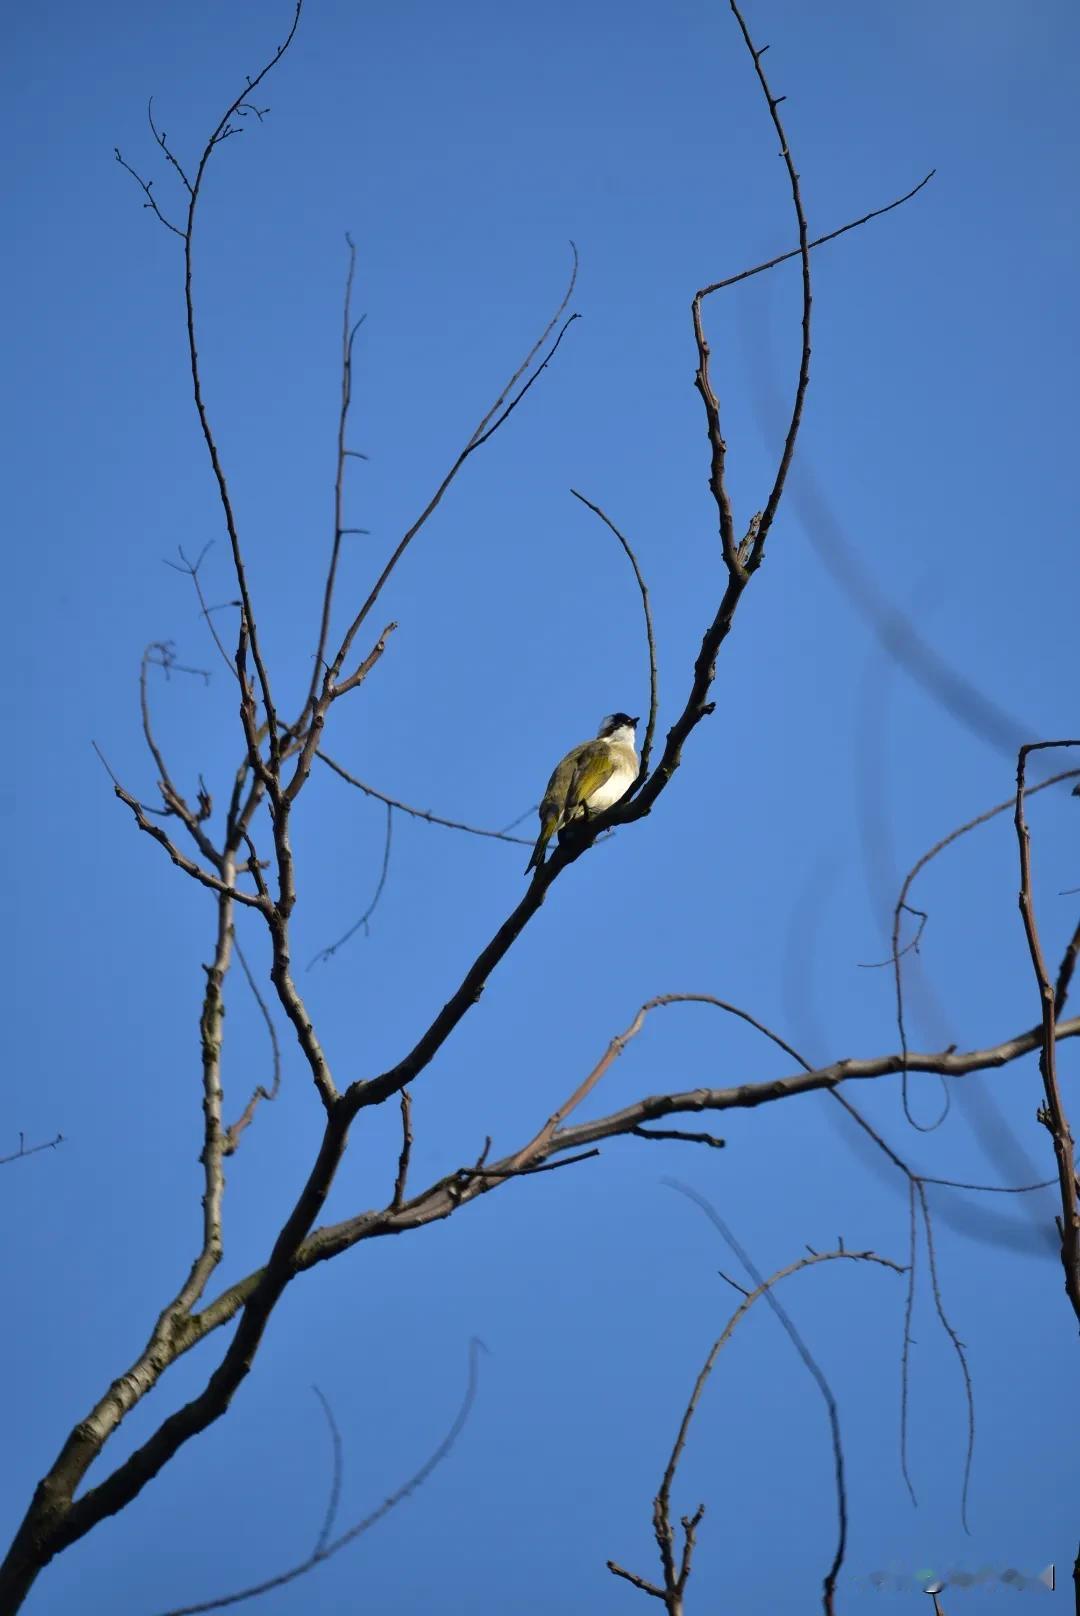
x=464 y=148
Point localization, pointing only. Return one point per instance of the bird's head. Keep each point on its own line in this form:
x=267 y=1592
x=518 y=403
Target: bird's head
x=617 y=727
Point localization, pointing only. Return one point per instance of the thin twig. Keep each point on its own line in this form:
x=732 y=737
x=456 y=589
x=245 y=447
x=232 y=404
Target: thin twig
x=490 y=423
x=422 y=813
x=537 y=373
x=325 y=1549
x=161 y=139
x=175 y=803
x=147 y=188
x=679 y=1133
x=819 y=241
x=248 y=628
x=760 y=534
x=191 y=569
x=902 y=904
x=30 y=1150
x=646 y=746
x=260 y=1092
x=510 y=1171
x=187 y=865
x=910 y=947
x=987 y=1189
x=337 y=1472
x=349 y=328
x=958 y=1347
x=905 y=1355
x=328 y=953
x=330 y=692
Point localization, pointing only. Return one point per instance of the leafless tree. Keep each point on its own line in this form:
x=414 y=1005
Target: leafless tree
x=245 y=861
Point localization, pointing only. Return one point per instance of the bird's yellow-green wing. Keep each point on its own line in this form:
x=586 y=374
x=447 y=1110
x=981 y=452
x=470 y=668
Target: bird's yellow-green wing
x=593 y=766
x=554 y=798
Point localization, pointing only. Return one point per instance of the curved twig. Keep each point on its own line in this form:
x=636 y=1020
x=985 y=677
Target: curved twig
x=249 y=628
x=260 y=1092
x=646 y=745
x=958 y=1348
x=324 y=1548
x=329 y=952
x=902 y=904
x=675 y=1576
x=334 y=1500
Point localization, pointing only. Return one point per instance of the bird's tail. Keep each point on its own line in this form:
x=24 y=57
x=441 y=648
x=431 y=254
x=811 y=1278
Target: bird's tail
x=547 y=831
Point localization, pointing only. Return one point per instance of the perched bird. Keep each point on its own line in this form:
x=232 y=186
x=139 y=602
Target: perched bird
x=590 y=778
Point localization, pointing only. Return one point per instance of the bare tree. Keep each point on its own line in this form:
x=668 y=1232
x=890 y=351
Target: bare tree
x=245 y=860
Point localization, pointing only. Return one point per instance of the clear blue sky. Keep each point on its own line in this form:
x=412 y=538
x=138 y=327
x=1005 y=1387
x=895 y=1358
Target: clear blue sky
x=464 y=147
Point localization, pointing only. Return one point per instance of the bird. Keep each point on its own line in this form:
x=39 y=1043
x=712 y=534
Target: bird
x=591 y=777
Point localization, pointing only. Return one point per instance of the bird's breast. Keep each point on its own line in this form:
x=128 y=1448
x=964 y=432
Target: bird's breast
x=615 y=786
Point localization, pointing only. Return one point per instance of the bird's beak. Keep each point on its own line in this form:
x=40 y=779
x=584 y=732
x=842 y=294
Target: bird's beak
x=635 y=722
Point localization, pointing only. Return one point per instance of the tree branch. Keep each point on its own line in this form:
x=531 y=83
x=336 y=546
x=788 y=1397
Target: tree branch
x=646 y=747
x=675 y=1578
x=189 y=867
x=30 y=1150
x=437 y=1202
x=260 y=1092
x=349 y=328
x=819 y=241
x=328 y=953
x=1052 y=1114
x=902 y=903
x=418 y=813
x=325 y=1549
x=490 y=423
